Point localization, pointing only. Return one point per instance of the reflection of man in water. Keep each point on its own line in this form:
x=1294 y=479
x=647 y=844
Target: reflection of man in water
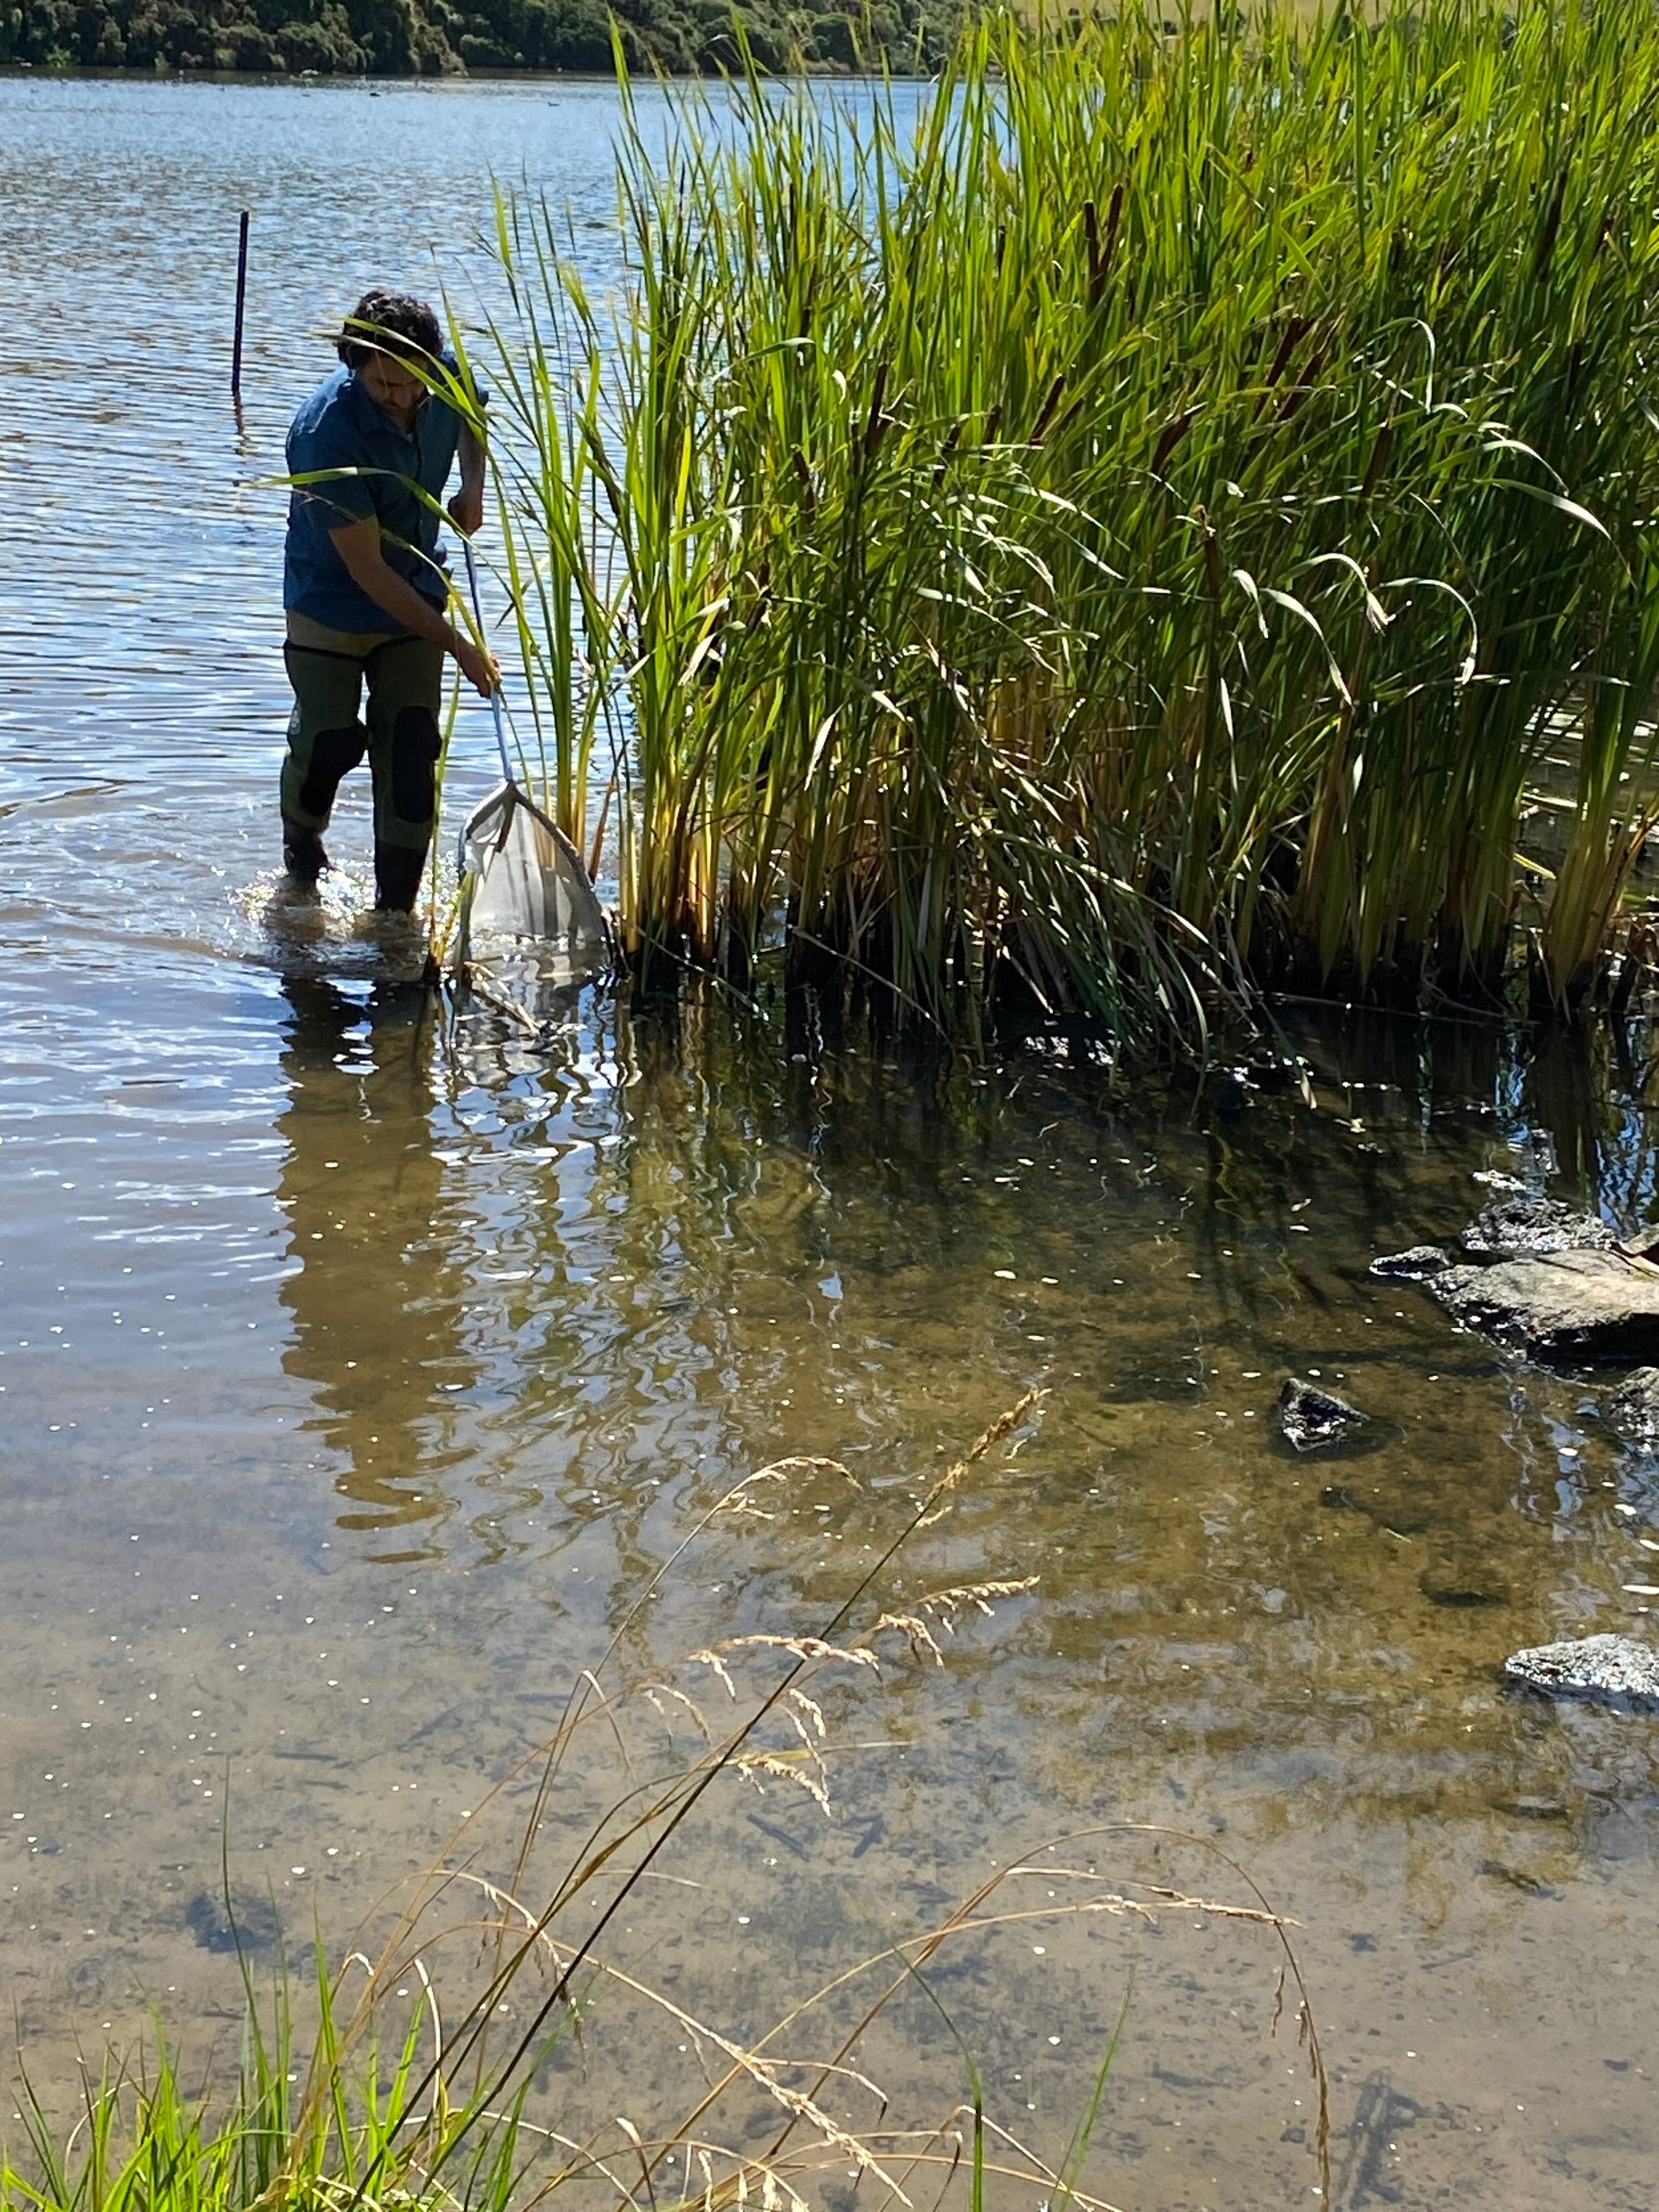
x=376 y=1330
x=365 y=589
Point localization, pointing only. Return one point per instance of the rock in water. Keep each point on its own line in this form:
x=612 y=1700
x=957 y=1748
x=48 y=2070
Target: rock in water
x=1612 y=1668
x=1590 y=1305
x=1415 y=1266
x=1510 y=1226
x=1312 y=1417
x=1633 y=1408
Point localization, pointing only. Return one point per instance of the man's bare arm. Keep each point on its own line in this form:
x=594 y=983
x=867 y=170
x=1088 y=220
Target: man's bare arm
x=359 y=546
x=467 y=508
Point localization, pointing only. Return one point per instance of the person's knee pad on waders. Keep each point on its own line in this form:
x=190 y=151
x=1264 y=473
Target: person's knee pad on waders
x=326 y=741
x=315 y=771
x=334 y=754
x=415 y=745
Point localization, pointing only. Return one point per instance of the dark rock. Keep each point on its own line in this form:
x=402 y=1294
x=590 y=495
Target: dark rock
x=1510 y=1226
x=1415 y=1266
x=1230 y=1089
x=1633 y=1408
x=1591 y=1305
x=1311 y=1417
x=1612 y=1669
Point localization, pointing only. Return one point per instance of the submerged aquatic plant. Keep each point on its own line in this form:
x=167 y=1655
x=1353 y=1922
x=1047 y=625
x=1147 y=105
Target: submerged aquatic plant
x=1132 y=524
x=397 y=2101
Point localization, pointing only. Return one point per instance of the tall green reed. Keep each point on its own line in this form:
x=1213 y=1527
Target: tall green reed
x=1130 y=522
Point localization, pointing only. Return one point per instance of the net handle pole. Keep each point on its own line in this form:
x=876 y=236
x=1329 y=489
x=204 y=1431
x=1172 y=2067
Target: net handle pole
x=495 y=689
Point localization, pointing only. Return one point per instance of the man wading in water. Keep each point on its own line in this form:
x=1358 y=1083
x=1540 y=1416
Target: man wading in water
x=365 y=591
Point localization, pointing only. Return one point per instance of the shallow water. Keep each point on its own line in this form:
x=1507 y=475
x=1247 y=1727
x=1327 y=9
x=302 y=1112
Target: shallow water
x=359 y=1365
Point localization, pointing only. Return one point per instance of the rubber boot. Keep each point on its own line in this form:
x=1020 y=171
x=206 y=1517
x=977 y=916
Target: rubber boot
x=303 y=856
x=397 y=872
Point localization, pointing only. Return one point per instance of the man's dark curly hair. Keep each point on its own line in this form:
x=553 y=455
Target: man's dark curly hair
x=389 y=322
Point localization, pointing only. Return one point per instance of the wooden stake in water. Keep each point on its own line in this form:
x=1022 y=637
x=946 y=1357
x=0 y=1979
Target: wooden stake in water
x=241 y=304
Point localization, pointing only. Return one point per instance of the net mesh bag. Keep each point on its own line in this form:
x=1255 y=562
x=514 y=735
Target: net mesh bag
x=525 y=881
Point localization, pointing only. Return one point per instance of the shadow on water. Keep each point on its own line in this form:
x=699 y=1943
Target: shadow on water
x=1371 y=2168
x=374 y=1296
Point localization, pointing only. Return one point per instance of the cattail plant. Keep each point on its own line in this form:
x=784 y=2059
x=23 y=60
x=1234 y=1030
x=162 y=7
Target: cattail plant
x=1128 y=526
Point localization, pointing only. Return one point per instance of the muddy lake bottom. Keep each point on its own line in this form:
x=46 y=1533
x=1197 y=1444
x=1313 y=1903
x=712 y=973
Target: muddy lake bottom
x=361 y=1362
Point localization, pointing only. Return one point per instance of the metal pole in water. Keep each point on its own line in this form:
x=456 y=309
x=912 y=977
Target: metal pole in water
x=241 y=304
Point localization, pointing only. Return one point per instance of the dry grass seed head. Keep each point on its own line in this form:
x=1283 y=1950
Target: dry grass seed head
x=784 y=1766
x=1004 y=1423
x=800 y=1463
x=947 y=1604
x=811 y=1707
x=712 y=1660
x=679 y=1697
x=911 y=1625
x=798 y=1647
x=737 y=1500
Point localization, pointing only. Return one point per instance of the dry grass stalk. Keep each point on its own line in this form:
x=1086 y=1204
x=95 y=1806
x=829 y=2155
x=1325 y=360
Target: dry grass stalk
x=373 y=2126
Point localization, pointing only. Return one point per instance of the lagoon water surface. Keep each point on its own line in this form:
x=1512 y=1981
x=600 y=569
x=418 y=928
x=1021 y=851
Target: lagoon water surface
x=358 y=1366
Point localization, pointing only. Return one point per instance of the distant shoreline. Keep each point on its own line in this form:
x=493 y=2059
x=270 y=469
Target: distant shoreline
x=448 y=80
x=418 y=40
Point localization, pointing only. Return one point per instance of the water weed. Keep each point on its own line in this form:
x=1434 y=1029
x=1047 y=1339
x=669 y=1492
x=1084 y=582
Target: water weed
x=1128 y=531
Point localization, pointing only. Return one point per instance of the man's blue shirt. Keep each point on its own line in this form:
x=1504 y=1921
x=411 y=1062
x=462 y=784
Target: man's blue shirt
x=340 y=426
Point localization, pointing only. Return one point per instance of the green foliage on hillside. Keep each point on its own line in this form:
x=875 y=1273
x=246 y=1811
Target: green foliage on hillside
x=432 y=37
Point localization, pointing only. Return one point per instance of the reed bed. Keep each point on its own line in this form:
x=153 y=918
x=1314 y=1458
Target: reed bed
x=395 y=2090
x=1129 y=528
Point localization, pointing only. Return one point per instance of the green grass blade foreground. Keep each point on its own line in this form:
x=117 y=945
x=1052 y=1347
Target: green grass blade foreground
x=1127 y=525
x=363 y=2089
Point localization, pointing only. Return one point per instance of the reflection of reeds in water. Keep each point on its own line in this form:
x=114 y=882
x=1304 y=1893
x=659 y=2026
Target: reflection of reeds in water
x=1136 y=527
x=433 y=2110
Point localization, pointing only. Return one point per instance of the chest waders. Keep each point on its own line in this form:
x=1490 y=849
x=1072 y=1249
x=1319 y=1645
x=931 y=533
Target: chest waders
x=327 y=738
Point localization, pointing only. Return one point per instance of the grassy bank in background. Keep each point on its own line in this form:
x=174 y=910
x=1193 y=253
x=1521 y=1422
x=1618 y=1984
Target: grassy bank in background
x=433 y=37
x=1136 y=533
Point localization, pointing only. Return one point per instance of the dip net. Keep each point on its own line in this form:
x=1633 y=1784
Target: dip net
x=524 y=887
